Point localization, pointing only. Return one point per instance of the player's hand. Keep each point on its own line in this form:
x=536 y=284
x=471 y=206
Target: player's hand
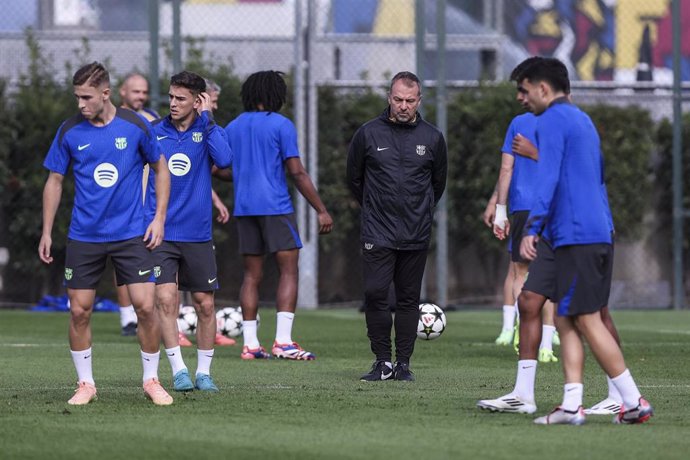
x=205 y=103
x=223 y=213
x=154 y=234
x=325 y=222
x=528 y=247
x=523 y=147
x=502 y=233
x=44 y=249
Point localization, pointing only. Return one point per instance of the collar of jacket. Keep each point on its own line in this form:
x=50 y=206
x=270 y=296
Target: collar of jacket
x=386 y=117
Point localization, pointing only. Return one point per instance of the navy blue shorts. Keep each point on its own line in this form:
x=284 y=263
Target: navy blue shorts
x=259 y=235
x=584 y=278
x=191 y=265
x=85 y=262
x=541 y=278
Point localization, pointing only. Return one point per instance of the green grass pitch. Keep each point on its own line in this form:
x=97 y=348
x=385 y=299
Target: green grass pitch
x=320 y=410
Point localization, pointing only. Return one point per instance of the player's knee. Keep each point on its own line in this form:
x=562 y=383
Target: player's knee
x=530 y=304
x=80 y=315
x=205 y=309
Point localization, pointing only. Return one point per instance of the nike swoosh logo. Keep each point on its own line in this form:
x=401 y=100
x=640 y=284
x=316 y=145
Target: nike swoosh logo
x=211 y=281
x=381 y=149
x=142 y=273
x=171 y=354
x=385 y=376
x=82 y=147
x=527 y=367
x=147 y=359
x=209 y=356
x=160 y=138
x=87 y=357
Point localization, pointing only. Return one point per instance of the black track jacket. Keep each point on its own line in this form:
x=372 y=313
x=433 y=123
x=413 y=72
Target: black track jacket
x=397 y=172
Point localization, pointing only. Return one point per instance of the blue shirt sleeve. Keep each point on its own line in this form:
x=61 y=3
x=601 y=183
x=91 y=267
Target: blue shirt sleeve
x=288 y=140
x=551 y=144
x=149 y=147
x=59 y=156
x=218 y=145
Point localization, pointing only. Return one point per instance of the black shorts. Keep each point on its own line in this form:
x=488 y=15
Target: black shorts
x=541 y=278
x=191 y=265
x=517 y=226
x=85 y=262
x=267 y=234
x=584 y=278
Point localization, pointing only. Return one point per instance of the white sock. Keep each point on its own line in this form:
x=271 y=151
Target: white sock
x=547 y=337
x=508 y=317
x=524 y=382
x=82 y=363
x=249 y=334
x=204 y=358
x=127 y=315
x=150 y=363
x=175 y=358
x=572 y=396
x=284 y=321
x=626 y=387
x=613 y=391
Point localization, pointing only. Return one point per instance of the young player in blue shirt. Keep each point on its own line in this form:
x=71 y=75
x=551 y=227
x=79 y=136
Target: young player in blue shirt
x=264 y=145
x=572 y=208
x=539 y=287
x=107 y=148
x=192 y=143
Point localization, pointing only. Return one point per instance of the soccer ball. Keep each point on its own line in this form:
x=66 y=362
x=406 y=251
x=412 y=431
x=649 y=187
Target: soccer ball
x=432 y=321
x=186 y=320
x=229 y=321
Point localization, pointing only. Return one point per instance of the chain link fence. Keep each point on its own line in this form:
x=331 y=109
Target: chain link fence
x=339 y=56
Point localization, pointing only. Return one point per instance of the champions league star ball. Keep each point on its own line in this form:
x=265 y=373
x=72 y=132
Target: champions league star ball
x=186 y=320
x=229 y=321
x=432 y=321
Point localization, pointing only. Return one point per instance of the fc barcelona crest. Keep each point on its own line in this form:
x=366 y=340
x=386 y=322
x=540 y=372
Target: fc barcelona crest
x=157 y=271
x=197 y=137
x=68 y=274
x=421 y=150
x=121 y=143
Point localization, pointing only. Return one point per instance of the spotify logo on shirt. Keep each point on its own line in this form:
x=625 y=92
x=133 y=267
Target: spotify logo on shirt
x=179 y=164
x=105 y=175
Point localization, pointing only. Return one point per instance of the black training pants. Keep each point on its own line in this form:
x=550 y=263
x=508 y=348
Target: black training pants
x=383 y=266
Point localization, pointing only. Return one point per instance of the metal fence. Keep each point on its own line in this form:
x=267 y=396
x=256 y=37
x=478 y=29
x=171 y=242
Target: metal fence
x=619 y=52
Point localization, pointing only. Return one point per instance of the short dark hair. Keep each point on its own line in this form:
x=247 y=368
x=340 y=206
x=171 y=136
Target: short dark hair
x=549 y=70
x=94 y=74
x=266 y=88
x=193 y=82
x=409 y=78
x=518 y=71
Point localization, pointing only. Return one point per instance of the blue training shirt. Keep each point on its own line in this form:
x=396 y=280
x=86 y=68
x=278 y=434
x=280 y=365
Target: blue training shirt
x=571 y=196
x=189 y=155
x=261 y=142
x=108 y=165
x=523 y=181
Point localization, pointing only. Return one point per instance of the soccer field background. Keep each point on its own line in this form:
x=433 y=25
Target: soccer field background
x=320 y=409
